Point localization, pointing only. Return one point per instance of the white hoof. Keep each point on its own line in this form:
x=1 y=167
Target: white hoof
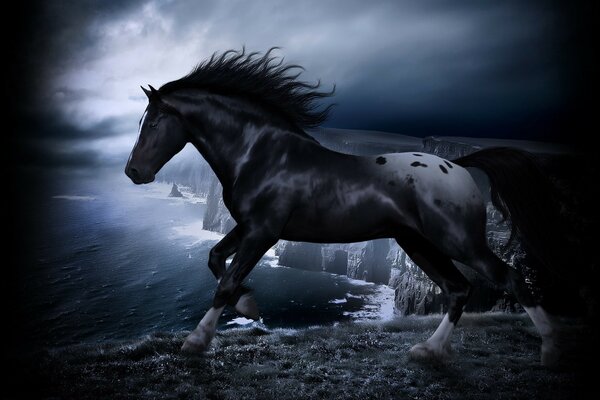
x=429 y=351
x=198 y=340
x=247 y=306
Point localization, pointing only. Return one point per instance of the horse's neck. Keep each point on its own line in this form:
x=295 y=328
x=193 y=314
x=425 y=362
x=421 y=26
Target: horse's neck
x=217 y=158
x=227 y=138
x=227 y=150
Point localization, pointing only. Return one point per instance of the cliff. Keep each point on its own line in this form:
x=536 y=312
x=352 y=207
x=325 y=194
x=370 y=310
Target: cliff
x=446 y=148
x=189 y=169
x=216 y=215
x=363 y=260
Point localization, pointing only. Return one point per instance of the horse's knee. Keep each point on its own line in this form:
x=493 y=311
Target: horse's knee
x=232 y=293
x=216 y=263
x=229 y=292
x=212 y=256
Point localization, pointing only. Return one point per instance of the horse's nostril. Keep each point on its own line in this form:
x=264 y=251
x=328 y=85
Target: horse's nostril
x=134 y=172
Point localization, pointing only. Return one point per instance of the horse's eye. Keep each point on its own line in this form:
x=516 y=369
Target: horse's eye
x=153 y=124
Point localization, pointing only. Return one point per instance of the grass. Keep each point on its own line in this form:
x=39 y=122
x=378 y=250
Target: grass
x=496 y=356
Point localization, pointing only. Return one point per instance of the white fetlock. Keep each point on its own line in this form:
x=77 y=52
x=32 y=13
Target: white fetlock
x=437 y=347
x=198 y=340
x=247 y=306
x=430 y=351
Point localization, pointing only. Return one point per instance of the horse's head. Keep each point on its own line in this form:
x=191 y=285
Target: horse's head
x=162 y=135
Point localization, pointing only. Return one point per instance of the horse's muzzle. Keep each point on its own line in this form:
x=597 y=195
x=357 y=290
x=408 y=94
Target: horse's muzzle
x=138 y=176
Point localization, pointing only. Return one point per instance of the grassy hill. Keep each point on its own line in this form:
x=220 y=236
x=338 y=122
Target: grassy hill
x=496 y=357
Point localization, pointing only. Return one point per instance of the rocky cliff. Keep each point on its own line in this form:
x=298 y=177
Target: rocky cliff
x=363 y=260
x=447 y=149
x=189 y=169
x=216 y=215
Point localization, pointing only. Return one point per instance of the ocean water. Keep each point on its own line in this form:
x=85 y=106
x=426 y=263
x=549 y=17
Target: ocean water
x=111 y=260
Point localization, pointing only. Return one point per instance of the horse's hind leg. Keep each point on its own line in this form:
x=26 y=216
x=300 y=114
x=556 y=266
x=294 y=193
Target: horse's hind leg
x=444 y=273
x=245 y=303
x=498 y=272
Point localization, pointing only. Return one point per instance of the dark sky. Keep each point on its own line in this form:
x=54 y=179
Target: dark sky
x=515 y=69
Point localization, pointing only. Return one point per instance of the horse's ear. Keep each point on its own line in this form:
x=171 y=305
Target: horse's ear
x=147 y=92
x=153 y=92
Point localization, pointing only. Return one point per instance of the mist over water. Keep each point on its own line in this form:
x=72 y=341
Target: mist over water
x=111 y=260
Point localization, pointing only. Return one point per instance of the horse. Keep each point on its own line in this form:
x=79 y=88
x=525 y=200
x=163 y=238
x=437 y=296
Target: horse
x=247 y=114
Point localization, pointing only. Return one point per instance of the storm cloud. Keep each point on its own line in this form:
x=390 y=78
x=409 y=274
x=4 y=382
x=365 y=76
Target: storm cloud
x=416 y=68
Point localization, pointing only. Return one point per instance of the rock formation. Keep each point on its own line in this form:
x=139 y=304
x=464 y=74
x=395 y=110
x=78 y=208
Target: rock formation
x=175 y=191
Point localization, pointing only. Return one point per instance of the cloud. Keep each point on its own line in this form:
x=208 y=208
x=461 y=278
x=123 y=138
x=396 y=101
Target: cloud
x=51 y=140
x=111 y=152
x=57 y=153
x=51 y=126
x=394 y=63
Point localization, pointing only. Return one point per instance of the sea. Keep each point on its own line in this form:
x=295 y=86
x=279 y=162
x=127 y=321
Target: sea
x=110 y=260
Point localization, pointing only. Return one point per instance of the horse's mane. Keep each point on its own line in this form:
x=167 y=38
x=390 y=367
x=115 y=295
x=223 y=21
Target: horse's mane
x=265 y=79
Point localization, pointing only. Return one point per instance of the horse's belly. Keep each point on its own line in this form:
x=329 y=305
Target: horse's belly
x=325 y=233
x=339 y=224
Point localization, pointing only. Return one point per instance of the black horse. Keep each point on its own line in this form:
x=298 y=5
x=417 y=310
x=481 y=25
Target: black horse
x=247 y=114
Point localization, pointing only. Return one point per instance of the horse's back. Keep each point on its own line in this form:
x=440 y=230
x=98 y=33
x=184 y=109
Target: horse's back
x=374 y=196
x=430 y=176
x=448 y=204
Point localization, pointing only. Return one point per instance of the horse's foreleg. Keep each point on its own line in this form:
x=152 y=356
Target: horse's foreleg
x=252 y=247
x=199 y=339
x=245 y=305
x=221 y=251
x=444 y=273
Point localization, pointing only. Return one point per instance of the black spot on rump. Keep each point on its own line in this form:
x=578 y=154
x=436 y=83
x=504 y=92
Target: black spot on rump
x=448 y=164
x=418 y=164
x=417 y=154
x=380 y=160
x=444 y=170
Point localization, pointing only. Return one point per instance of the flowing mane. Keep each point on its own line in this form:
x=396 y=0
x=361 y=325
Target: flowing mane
x=265 y=79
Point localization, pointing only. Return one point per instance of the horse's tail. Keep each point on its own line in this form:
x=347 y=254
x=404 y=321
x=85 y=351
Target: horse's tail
x=525 y=197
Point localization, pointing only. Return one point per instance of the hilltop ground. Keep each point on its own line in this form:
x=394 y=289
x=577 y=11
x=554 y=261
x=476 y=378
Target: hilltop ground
x=496 y=356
